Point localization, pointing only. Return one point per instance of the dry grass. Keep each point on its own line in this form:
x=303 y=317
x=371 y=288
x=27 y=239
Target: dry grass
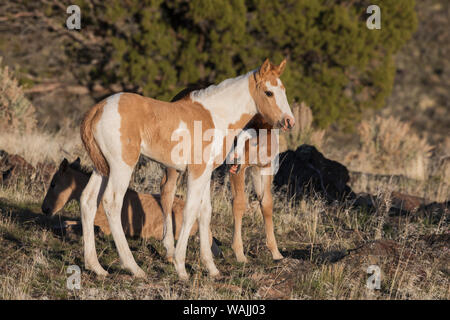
x=303 y=131
x=16 y=111
x=314 y=237
x=390 y=146
x=327 y=247
x=40 y=146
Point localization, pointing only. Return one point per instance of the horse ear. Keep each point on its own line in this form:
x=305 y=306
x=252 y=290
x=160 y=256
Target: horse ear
x=64 y=164
x=281 y=67
x=77 y=163
x=265 y=67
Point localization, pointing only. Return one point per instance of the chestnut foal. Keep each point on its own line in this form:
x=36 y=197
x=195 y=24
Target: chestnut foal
x=118 y=129
x=142 y=214
x=261 y=170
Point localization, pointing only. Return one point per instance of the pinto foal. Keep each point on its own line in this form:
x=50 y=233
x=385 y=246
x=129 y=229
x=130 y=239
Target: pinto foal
x=260 y=169
x=118 y=129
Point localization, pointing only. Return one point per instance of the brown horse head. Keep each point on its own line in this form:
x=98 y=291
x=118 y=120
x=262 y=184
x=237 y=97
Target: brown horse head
x=63 y=187
x=269 y=95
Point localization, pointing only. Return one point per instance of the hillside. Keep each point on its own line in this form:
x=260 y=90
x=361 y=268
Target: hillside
x=421 y=88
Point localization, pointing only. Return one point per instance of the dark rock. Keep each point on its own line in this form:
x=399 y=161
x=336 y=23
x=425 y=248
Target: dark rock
x=14 y=167
x=306 y=170
x=14 y=160
x=435 y=211
x=364 y=200
x=406 y=202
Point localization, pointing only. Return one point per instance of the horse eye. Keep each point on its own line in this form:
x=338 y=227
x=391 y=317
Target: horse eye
x=52 y=185
x=269 y=93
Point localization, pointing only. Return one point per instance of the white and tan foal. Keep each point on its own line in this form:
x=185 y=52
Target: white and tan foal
x=121 y=127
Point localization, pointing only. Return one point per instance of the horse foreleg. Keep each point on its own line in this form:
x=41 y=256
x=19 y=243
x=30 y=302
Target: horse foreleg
x=195 y=191
x=205 y=231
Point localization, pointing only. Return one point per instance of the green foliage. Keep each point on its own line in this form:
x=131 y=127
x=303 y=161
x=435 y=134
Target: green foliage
x=336 y=65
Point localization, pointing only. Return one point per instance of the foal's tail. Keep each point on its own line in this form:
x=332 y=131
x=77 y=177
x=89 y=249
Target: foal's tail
x=87 y=136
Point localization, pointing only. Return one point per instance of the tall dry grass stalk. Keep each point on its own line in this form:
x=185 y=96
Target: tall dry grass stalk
x=443 y=169
x=16 y=111
x=390 y=146
x=382 y=203
x=303 y=132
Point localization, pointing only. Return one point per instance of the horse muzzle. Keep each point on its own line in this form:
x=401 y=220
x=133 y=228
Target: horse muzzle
x=287 y=123
x=46 y=210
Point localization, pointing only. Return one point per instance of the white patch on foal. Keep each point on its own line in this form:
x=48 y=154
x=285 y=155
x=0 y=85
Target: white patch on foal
x=181 y=153
x=107 y=131
x=221 y=100
x=280 y=97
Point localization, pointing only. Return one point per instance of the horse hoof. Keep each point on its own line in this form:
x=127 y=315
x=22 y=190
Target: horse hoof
x=242 y=259
x=102 y=273
x=278 y=257
x=98 y=270
x=139 y=274
x=216 y=275
x=183 y=276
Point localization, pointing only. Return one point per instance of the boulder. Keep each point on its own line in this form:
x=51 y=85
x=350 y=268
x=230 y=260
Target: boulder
x=306 y=170
x=13 y=167
x=405 y=202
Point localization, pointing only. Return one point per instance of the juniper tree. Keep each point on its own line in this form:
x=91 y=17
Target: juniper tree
x=336 y=64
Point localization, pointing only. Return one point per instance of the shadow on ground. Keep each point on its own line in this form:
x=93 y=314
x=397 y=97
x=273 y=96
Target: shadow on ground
x=26 y=215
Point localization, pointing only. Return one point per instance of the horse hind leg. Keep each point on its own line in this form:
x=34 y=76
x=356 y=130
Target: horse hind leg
x=168 y=190
x=89 y=201
x=239 y=205
x=119 y=178
x=263 y=185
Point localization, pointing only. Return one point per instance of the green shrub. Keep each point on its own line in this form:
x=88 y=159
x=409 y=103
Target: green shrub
x=336 y=65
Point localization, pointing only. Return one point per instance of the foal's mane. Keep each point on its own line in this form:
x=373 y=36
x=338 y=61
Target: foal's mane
x=217 y=88
x=185 y=92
